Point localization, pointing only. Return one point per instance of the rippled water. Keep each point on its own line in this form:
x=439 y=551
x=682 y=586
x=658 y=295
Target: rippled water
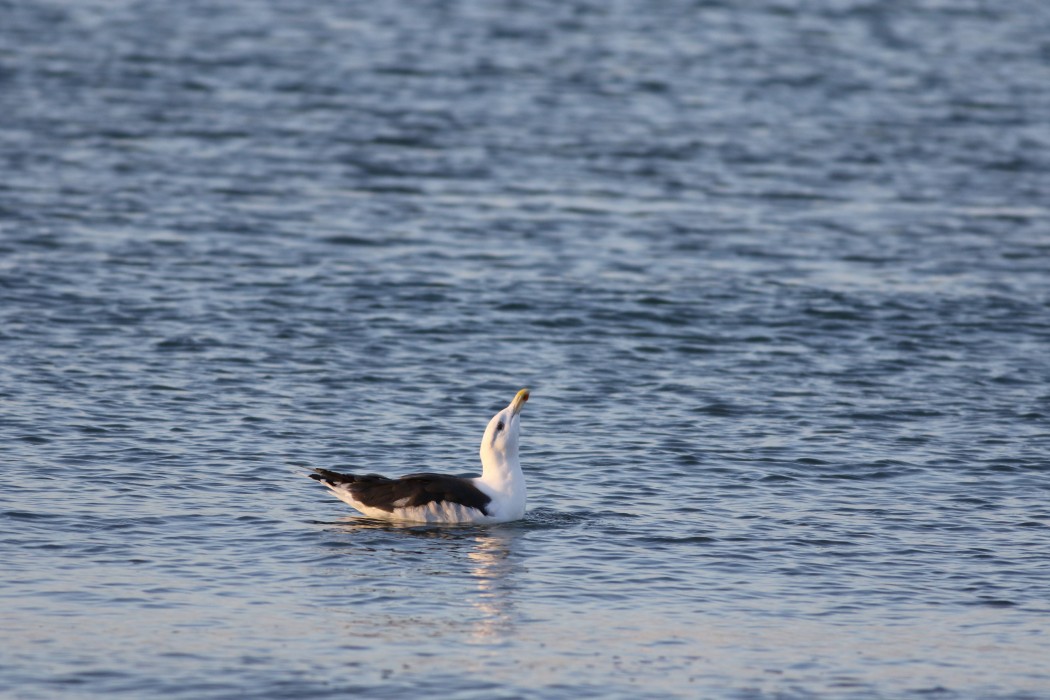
x=777 y=274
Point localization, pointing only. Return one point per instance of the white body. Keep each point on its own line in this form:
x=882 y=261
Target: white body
x=430 y=513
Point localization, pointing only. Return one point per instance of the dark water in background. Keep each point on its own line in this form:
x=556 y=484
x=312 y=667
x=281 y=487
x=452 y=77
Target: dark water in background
x=777 y=273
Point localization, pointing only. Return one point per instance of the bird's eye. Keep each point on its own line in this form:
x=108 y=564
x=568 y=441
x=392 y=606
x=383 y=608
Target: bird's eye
x=499 y=426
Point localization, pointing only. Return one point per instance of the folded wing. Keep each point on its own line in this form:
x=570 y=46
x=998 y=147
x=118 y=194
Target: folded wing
x=408 y=491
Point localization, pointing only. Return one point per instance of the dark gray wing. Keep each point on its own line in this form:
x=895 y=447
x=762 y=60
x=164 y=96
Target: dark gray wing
x=408 y=491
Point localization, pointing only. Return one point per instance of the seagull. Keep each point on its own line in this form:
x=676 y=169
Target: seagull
x=497 y=496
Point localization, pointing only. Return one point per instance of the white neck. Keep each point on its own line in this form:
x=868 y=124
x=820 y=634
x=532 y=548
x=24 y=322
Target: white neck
x=501 y=477
x=502 y=472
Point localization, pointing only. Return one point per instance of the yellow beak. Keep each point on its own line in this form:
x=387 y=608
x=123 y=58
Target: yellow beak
x=518 y=402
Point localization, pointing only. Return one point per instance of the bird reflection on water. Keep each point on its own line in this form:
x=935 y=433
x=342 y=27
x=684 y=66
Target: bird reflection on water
x=494 y=571
x=472 y=593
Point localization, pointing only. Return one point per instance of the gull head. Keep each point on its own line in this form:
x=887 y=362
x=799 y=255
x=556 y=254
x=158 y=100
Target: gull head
x=501 y=436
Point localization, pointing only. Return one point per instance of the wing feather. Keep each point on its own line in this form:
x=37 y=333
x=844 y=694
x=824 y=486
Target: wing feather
x=409 y=491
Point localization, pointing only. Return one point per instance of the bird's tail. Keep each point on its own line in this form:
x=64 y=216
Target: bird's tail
x=331 y=478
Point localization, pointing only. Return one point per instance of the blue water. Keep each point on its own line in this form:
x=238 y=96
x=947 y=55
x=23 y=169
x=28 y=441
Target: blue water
x=777 y=274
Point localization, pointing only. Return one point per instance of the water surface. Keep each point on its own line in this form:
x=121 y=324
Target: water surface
x=775 y=272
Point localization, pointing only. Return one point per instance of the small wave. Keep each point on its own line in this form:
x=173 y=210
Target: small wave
x=543 y=518
x=688 y=539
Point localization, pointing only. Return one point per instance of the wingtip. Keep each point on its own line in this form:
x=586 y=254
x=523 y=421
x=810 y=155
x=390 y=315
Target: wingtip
x=316 y=473
x=331 y=478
